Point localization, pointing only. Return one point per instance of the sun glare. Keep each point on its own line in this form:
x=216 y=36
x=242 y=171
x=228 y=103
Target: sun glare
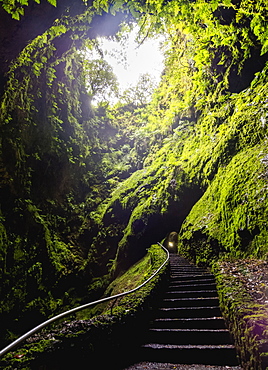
x=138 y=59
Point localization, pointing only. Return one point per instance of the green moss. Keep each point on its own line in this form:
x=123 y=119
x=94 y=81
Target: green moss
x=146 y=193
x=82 y=187
x=227 y=155
x=232 y=209
x=245 y=316
x=22 y=358
x=50 y=175
x=107 y=329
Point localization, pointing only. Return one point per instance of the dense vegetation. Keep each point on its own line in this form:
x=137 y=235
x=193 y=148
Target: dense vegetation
x=84 y=338
x=86 y=189
x=242 y=288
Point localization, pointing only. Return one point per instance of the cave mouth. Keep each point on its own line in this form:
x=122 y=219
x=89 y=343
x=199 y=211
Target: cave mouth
x=172 y=242
x=158 y=227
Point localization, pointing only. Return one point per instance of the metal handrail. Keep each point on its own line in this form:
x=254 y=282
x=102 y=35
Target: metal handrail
x=79 y=308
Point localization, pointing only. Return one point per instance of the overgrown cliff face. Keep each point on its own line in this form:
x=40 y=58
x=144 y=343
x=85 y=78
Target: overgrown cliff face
x=53 y=174
x=211 y=114
x=85 y=191
x=230 y=216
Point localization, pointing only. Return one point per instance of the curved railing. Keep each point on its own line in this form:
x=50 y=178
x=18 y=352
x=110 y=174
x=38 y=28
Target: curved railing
x=79 y=308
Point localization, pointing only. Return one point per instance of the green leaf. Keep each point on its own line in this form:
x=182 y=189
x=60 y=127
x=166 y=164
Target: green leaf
x=53 y=2
x=16 y=15
x=264 y=48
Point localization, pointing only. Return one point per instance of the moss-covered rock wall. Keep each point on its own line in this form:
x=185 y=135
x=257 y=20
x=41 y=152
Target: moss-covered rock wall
x=52 y=176
x=230 y=216
x=242 y=287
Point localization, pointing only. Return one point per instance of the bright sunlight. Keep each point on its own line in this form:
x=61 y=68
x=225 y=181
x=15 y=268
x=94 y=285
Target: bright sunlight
x=130 y=60
x=138 y=59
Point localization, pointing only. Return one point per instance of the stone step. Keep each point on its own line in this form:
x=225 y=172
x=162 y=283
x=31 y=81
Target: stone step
x=188 y=268
x=186 y=286
x=188 y=354
x=188 y=327
x=190 y=277
x=176 y=264
x=185 y=312
x=197 y=282
x=190 y=294
x=190 y=302
x=189 y=336
x=188 y=272
x=189 y=323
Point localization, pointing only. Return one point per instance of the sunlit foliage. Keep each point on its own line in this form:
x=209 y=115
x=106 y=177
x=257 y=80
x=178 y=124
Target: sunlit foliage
x=100 y=81
x=141 y=94
x=16 y=7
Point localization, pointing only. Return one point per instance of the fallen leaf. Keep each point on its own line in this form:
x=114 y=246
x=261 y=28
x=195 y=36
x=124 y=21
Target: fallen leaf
x=19 y=355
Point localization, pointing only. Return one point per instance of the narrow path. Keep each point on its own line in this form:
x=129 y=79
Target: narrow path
x=188 y=330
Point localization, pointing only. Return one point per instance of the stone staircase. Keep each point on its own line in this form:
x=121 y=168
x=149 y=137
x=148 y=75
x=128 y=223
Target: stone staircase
x=188 y=327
